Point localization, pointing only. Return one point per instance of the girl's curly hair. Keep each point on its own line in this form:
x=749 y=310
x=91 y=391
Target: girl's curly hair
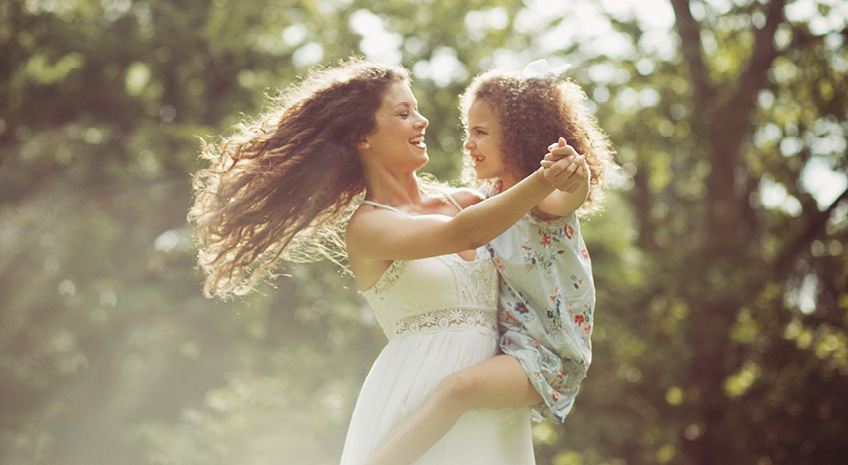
x=281 y=185
x=533 y=113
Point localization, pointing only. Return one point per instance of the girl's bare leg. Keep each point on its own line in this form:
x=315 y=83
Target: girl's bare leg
x=498 y=382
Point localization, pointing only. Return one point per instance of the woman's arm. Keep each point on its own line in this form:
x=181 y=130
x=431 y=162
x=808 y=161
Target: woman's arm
x=381 y=234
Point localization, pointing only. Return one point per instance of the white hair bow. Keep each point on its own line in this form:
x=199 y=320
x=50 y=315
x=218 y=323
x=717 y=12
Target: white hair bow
x=540 y=69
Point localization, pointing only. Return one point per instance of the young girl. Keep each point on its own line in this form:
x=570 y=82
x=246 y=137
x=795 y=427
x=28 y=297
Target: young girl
x=547 y=298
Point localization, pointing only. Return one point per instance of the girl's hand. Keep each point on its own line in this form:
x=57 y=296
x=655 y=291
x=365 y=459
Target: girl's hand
x=560 y=149
x=564 y=168
x=498 y=186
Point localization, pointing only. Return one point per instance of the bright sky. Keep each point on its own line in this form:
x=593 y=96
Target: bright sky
x=589 y=27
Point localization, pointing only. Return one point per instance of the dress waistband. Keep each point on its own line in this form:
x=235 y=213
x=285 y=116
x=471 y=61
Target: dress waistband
x=452 y=319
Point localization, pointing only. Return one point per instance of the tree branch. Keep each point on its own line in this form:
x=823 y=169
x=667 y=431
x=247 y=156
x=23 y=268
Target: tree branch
x=733 y=115
x=690 y=40
x=816 y=225
x=755 y=76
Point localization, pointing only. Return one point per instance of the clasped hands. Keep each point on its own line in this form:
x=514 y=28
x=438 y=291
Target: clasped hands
x=564 y=168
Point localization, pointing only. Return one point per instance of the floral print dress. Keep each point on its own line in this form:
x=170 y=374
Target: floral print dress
x=546 y=304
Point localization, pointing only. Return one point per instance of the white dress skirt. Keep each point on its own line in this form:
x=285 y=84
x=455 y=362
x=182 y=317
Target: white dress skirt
x=440 y=315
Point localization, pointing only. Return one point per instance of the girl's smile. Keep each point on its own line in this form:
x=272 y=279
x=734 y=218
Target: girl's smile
x=483 y=142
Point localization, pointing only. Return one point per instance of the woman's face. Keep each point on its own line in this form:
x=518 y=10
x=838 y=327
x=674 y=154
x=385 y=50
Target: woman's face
x=483 y=143
x=399 y=135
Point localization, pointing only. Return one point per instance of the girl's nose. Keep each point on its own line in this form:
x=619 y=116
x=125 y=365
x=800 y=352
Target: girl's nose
x=468 y=144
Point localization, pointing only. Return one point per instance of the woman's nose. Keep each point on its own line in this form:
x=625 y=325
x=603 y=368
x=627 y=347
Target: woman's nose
x=468 y=144
x=422 y=121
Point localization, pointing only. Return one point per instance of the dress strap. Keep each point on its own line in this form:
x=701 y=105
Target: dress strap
x=387 y=207
x=453 y=201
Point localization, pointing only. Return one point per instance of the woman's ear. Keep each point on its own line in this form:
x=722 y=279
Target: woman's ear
x=363 y=144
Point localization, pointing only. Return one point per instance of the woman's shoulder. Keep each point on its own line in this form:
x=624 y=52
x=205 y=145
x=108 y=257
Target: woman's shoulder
x=466 y=197
x=363 y=222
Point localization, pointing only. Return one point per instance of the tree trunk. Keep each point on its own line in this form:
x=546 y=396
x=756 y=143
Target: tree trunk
x=725 y=120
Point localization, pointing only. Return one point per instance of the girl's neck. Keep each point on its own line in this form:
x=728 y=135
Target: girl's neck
x=506 y=182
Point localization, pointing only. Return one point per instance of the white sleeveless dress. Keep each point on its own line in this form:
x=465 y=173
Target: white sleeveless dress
x=440 y=316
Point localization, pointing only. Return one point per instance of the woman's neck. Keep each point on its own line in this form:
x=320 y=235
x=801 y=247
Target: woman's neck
x=393 y=189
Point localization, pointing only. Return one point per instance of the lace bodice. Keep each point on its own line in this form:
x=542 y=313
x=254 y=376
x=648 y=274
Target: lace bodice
x=435 y=294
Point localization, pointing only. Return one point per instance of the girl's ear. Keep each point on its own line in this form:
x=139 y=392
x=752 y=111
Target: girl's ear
x=363 y=144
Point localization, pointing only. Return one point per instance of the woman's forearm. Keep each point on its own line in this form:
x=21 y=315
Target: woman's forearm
x=488 y=219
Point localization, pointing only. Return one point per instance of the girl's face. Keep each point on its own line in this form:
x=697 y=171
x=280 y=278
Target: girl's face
x=399 y=136
x=483 y=143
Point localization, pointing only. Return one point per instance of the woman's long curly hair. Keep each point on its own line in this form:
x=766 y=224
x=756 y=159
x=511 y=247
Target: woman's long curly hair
x=533 y=113
x=282 y=184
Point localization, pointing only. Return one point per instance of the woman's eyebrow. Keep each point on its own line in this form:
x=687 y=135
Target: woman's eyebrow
x=404 y=103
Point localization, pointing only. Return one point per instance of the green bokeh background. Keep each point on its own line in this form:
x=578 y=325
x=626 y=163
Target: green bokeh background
x=720 y=258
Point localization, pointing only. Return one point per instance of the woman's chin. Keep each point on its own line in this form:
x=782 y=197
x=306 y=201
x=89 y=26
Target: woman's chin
x=423 y=161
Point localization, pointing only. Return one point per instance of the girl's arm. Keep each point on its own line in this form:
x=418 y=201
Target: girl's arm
x=571 y=181
x=381 y=234
x=561 y=203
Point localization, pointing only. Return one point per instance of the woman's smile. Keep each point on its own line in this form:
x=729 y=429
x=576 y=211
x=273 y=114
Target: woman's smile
x=400 y=128
x=418 y=141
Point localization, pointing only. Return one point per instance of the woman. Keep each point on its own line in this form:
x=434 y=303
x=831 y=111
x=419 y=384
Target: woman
x=547 y=296
x=282 y=188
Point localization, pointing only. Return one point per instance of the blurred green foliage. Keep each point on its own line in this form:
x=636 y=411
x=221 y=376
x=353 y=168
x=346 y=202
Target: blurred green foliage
x=720 y=258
